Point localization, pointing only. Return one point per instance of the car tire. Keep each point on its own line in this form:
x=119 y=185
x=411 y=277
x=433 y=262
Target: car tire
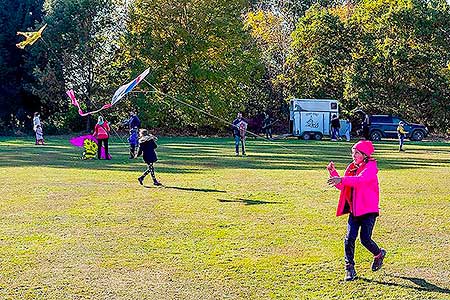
x=376 y=135
x=417 y=135
x=318 y=136
x=306 y=136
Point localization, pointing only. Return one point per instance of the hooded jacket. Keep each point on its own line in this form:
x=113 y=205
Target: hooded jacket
x=147 y=146
x=360 y=192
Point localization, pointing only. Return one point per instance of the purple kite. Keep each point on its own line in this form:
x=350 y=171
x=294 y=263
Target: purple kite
x=80 y=142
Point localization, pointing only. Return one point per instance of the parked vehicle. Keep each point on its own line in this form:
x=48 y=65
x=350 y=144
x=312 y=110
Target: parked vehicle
x=310 y=118
x=385 y=126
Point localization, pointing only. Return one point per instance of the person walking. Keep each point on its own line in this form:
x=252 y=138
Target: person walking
x=147 y=146
x=359 y=197
x=335 y=126
x=401 y=132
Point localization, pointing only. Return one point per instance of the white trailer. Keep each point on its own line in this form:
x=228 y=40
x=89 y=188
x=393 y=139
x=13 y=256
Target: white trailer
x=311 y=118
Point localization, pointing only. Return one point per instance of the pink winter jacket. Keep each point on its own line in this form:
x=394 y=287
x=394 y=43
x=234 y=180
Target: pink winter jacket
x=366 y=191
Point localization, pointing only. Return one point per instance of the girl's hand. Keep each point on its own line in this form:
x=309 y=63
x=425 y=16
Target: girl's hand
x=334 y=180
x=331 y=167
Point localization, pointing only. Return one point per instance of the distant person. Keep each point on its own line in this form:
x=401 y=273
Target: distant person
x=133 y=140
x=359 y=198
x=101 y=133
x=147 y=146
x=335 y=126
x=36 y=123
x=267 y=125
x=39 y=135
x=366 y=127
x=133 y=121
x=401 y=132
x=348 y=130
x=239 y=131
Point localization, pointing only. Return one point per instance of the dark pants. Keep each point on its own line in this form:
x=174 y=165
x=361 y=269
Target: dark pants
x=133 y=150
x=268 y=133
x=99 y=151
x=366 y=223
x=401 y=138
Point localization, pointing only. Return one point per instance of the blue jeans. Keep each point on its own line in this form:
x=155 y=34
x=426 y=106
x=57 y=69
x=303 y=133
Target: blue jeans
x=366 y=223
x=238 y=139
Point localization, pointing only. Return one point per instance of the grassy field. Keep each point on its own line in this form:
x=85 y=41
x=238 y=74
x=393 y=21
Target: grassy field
x=223 y=227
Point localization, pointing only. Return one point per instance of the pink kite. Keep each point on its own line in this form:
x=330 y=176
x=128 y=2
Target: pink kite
x=79 y=142
x=119 y=94
x=71 y=95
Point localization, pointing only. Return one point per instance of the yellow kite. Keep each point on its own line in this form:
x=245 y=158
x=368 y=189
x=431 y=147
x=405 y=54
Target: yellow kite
x=30 y=37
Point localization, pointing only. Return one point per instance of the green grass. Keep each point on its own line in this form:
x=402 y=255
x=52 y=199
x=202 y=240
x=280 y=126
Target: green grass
x=224 y=227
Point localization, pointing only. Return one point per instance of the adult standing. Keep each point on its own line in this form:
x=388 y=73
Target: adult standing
x=335 y=126
x=101 y=133
x=239 y=130
x=267 y=125
x=134 y=121
x=366 y=127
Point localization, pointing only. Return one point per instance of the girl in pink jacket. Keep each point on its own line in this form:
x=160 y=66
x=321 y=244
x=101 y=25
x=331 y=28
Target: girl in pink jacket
x=360 y=198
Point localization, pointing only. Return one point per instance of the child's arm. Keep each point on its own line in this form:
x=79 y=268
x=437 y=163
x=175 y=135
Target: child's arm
x=334 y=173
x=139 y=151
x=368 y=174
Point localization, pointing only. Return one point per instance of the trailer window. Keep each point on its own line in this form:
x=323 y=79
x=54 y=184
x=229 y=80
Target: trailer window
x=333 y=105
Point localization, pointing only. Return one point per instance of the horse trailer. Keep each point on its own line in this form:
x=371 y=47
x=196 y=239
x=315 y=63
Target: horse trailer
x=311 y=118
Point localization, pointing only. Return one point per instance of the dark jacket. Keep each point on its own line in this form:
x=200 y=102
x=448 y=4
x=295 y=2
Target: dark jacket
x=147 y=146
x=335 y=123
x=134 y=122
x=236 y=127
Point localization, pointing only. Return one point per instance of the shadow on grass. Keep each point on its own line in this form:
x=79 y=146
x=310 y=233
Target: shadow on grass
x=420 y=284
x=186 y=189
x=247 y=201
x=196 y=155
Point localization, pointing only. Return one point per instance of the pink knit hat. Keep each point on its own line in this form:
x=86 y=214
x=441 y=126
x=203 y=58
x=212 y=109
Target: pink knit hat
x=365 y=146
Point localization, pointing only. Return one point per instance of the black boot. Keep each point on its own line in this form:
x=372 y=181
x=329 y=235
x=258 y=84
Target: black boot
x=378 y=260
x=141 y=180
x=350 y=273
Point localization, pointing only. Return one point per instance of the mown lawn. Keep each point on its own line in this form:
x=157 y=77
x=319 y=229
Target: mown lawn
x=223 y=227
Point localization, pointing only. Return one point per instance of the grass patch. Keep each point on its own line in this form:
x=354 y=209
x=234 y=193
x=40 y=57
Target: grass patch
x=223 y=227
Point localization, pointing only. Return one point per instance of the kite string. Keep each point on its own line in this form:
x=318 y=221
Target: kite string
x=215 y=117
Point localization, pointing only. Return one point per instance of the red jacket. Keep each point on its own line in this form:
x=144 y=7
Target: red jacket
x=101 y=132
x=364 y=187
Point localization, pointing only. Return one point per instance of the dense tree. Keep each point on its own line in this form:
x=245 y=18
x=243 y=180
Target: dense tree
x=197 y=52
x=319 y=55
x=79 y=51
x=15 y=102
x=397 y=63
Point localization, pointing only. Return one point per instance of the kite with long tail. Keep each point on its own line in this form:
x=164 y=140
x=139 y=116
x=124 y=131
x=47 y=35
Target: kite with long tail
x=119 y=94
x=30 y=37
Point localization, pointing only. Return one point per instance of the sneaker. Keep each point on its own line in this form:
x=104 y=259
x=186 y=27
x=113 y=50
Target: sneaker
x=157 y=183
x=244 y=154
x=378 y=260
x=350 y=272
x=141 y=180
x=237 y=154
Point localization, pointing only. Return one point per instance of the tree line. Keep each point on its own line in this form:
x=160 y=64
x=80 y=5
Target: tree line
x=224 y=56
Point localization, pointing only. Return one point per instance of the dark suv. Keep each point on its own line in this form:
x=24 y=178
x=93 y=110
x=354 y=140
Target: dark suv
x=385 y=126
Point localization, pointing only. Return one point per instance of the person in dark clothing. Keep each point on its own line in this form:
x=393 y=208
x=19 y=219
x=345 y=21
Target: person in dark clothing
x=366 y=127
x=147 y=146
x=239 y=129
x=335 y=126
x=133 y=140
x=267 y=126
x=134 y=121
